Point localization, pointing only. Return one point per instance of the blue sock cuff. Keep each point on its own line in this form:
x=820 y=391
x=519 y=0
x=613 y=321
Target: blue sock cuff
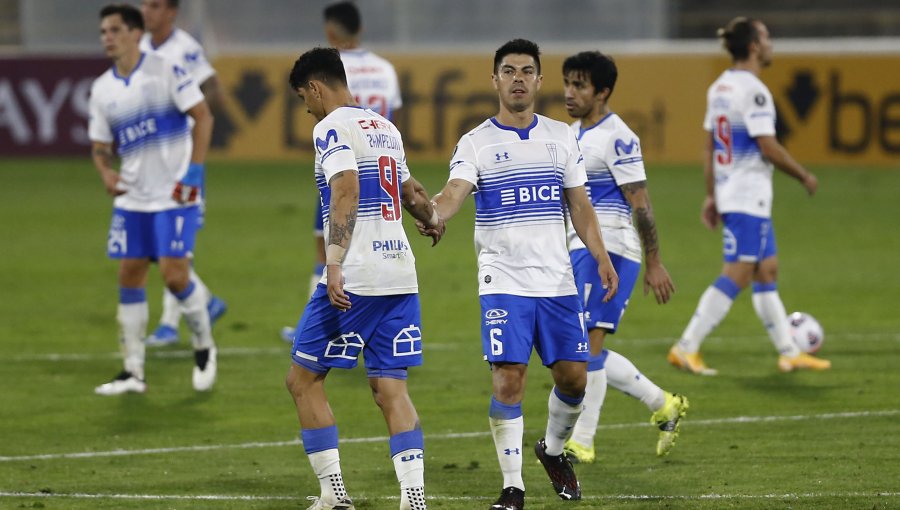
x=764 y=287
x=317 y=440
x=409 y=440
x=572 y=401
x=597 y=362
x=319 y=268
x=128 y=296
x=727 y=286
x=501 y=411
x=186 y=292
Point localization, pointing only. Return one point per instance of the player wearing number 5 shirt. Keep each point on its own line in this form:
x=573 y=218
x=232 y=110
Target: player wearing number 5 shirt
x=367 y=301
x=741 y=150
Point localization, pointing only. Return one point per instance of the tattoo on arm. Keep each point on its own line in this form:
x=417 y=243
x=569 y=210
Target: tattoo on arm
x=104 y=154
x=340 y=232
x=643 y=213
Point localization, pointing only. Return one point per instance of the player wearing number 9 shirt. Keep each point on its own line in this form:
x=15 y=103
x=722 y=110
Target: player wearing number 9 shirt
x=741 y=150
x=368 y=301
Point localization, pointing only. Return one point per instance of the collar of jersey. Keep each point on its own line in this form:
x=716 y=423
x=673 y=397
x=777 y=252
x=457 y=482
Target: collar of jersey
x=522 y=132
x=127 y=79
x=582 y=130
x=156 y=47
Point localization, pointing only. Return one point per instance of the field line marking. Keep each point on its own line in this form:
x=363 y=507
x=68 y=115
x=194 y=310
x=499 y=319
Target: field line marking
x=450 y=435
x=443 y=346
x=248 y=497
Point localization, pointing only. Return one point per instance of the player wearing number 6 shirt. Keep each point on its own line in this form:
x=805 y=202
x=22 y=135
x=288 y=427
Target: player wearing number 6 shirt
x=141 y=106
x=741 y=150
x=368 y=299
x=524 y=169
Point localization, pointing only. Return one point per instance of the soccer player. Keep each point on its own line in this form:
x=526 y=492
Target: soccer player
x=164 y=38
x=524 y=169
x=741 y=150
x=369 y=302
x=373 y=84
x=617 y=187
x=143 y=106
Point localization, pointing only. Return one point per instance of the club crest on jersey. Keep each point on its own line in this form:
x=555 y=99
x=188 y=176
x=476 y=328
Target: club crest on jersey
x=323 y=144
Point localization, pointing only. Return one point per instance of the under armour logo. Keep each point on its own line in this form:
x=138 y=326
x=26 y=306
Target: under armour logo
x=582 y=347
x=510 y=451
x=504 y=156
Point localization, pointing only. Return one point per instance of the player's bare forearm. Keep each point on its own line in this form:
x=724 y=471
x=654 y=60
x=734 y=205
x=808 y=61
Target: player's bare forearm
x=773 y=151
x=415 y=201
x=102 y=156
x=343 y=208
x=709 y=178
x=584 y=219
x=637 y=195
x=451 y=198
x=202 y=132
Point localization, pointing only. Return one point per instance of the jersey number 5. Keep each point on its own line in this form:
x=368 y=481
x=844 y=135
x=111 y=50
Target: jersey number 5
x=723 y=141
x=390 y=183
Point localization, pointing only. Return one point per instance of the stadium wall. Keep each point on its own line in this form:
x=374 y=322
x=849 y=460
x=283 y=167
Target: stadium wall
x=833 y=108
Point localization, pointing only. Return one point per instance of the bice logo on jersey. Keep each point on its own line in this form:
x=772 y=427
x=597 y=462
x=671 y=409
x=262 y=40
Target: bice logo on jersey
x=526 y=194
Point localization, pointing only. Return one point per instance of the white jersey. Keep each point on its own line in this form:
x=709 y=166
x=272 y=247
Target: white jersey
x=143 y=115
x=612 y=158
x=739 y=108
x=519 y=176
x=379 y=261
x=182 y=48
x=372 y=81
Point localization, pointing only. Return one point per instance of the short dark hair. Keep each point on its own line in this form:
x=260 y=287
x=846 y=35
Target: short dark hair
x=130 y=14
x=518 y=46
x=172 y=3
x=323 y=64
x=344 y=14
x=737 y=36
x=599 y=67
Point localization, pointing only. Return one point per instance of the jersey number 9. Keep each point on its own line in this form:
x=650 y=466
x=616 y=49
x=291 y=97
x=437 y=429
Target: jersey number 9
x=723 y=145
x=390 y=183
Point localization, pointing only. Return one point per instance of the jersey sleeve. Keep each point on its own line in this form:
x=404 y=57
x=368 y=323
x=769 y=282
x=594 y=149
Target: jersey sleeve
x=334 y=150
x=708 y=124
x=464 y=161
x=759 y=112
x=395 y=100
x=195 y=61
x=623 y=157
x=98 y=125
x=575 y=174
x=182 y=86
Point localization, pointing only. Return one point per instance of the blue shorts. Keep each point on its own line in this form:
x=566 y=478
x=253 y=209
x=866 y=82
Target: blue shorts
x=512 y=325
x=598 y=314
x=137 y=235
x=386 y=328
x=747 y=238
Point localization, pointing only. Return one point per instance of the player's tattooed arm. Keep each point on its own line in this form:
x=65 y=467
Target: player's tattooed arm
x=344 y=207
x=102 y=155
x=636 y=193
x=428 y=220
x=656 y=277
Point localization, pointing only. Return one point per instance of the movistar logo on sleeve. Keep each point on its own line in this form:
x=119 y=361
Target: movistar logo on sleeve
x=623 y=148
x=323 y=144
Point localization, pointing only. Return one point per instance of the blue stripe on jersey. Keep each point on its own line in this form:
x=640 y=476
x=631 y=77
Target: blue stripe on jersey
x=519 y=195
x=605 y=194
x=151 y=126
x=374 y=200
x=743 y=146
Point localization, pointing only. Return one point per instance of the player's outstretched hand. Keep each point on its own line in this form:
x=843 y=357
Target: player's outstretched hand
x=656 y=277
x=114 y=184
x=335 y=286
x=435 y=233
x=609 y=278
x=709 y=215
x=187 y=190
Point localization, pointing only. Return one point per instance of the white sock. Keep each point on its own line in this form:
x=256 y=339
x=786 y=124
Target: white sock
x=771 y=312
x=327 y=466
x=594 y=395
x=193 y=306
x=508 y=442
x=712 y=308
x=132 y=318
x=171 y=313
x=560 y=420
x=409 y=465
x=625 y=377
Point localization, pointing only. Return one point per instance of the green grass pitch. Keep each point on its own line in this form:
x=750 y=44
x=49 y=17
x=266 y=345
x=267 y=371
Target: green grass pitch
x=753 y=438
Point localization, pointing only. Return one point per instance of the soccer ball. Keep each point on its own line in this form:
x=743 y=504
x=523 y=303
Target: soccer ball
x=806 y=331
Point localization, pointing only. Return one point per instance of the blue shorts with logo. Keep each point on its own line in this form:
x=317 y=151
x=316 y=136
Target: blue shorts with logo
x=747 y=238
x=512 y=325
x=598 y=314
x=386 y=329
x=136 y=234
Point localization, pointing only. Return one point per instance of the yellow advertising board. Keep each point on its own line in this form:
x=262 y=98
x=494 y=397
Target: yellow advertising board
x=832 y=109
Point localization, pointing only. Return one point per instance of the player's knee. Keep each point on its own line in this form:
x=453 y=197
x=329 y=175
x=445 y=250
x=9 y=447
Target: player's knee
x=571 y=382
